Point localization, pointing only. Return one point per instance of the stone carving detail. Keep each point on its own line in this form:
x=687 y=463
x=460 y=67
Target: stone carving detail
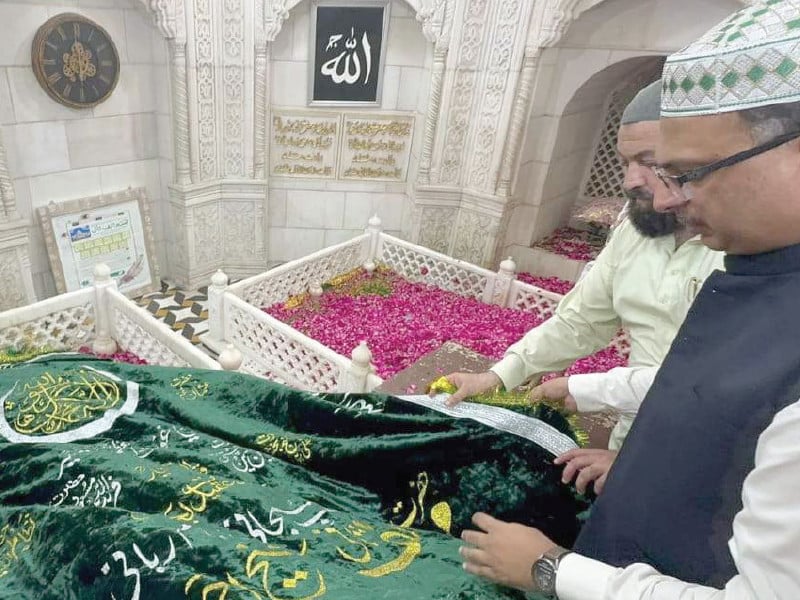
x=207 y=236
x=463 y=92
x=474 y=233
x=432 y=116
x=242 y=222
x=12 y=292
x=233 y=77
x=432 y=15
x=168 y=16
x=517 y=123
x=180 y=227
x=7 y=195
x=499 y=67
x=206 y=114
x=180 y=113
x=275 y=14
x=436 y=225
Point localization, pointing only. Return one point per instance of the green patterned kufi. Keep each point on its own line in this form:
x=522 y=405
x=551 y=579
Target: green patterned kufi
x=751 y=59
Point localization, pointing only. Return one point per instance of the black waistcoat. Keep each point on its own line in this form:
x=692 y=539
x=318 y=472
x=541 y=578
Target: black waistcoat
x=676 y=485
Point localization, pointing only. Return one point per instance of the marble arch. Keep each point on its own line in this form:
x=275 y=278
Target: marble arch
x=568 y=43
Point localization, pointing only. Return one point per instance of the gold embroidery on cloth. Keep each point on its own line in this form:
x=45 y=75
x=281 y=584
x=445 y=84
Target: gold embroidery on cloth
x=15 y=539
x=440 y=514
x=189 y=388
x=298 y=450
x=55 y=403
x=195 y=498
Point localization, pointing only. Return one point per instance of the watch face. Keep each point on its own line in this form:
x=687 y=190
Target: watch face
x=545 y=576
x=75 y=60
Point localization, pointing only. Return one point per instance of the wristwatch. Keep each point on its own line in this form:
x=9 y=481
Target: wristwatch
x=544 y=570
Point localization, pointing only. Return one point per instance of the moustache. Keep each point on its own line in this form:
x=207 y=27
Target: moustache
x=639 y=194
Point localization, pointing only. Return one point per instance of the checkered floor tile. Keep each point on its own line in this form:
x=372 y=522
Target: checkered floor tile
x=184 y=311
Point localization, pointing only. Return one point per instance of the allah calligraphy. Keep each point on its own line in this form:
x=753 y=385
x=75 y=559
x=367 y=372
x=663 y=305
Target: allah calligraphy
x=349 y=48
x=341 y=73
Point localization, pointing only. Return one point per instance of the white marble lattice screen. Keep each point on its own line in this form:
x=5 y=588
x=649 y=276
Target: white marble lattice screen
x=606 y=172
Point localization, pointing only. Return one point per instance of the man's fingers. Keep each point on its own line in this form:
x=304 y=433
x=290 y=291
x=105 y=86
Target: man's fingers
x=474 y=538
x=575 y=465
x=474 y=556
x=460 y=394
x=479 y=570
x=536 y=394
x=600 y=483
x=586 y=476
x=485 y=522
x=570 y=455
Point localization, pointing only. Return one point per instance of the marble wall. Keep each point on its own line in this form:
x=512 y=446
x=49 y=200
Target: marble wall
x=306 y=215
x=56 y=153
x=600 y=51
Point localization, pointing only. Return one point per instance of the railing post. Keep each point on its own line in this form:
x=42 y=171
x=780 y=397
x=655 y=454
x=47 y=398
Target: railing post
x=355 y=377
x=505 y=276
x=216 y=309
x=230 y=359
x=374 y=230
x=103 y=342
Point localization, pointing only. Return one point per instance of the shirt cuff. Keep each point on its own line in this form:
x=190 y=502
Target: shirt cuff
x=583 y=388
x=582 y=578
x=510 y=370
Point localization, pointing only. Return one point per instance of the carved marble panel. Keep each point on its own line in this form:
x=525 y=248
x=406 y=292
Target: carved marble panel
x=206 y=74
x=462 y=96
x=474 y=237
x=207 y=235
x=243 y=236
x=233 y=30
x=436 y=225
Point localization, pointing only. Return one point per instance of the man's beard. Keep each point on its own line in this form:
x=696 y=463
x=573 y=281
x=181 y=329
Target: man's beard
x=646 y=219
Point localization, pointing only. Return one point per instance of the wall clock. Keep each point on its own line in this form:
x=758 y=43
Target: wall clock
x=75 y=60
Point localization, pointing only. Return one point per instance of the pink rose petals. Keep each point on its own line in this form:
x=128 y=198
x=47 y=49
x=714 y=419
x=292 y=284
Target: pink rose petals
x=406 y=323
x=552 y=284
x=574 y=244
x=122 y=356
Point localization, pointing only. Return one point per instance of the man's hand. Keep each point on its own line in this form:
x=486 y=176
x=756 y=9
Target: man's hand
x=503 y=552
x=589 y=464
x=555 y=389
x=470 y=384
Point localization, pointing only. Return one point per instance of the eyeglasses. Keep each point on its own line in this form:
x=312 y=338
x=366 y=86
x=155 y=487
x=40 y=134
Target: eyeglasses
x=679 y=182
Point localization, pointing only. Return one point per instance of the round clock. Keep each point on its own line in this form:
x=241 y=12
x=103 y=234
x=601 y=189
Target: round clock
x=75 y=60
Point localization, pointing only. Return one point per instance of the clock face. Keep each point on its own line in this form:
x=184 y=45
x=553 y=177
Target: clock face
x=75 y=60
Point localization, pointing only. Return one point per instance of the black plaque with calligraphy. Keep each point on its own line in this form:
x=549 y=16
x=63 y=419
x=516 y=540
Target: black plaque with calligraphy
x=75 y=60
x=349 y=45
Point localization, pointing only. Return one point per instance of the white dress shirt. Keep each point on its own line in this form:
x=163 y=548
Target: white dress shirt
x=620 y=390
x=644 y=285
x=765 y=545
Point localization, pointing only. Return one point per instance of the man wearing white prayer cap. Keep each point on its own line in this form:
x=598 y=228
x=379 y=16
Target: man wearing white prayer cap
x=703 y=501
x=644 y=282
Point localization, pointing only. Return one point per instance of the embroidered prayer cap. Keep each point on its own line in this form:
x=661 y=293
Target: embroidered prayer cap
x=645 y=106
x=751 y=59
